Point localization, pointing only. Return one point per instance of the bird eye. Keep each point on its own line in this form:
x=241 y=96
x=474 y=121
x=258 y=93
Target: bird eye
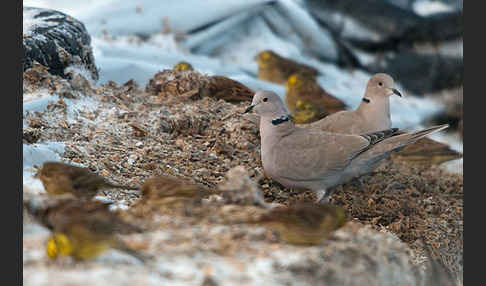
x=380 y=83
x=265 y=99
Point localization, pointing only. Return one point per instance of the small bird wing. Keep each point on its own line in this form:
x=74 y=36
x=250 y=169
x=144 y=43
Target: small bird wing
x=75 y=171
x=314 y=93
x=306 y=155
x=103 y=223
x=229 y=89
x=291 y=66
x=83 y=179
x=310 y=215
x=306 y=215
x=66 y=212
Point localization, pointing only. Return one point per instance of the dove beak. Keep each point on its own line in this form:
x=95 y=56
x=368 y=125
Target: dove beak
x=395 y=91
x=249 y=109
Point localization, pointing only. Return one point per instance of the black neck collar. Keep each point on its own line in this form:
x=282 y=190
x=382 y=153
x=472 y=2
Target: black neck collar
x=367 y=100
x=281 y=119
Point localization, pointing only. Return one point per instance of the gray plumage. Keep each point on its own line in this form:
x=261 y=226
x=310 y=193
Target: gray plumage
x=373 y=114
x=313 y=159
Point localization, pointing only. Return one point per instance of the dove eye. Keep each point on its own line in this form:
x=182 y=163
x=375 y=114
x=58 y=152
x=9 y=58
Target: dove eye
x=265 y=99
x=380 y=83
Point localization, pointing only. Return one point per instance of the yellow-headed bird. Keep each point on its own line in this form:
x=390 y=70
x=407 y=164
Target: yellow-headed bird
x=307 y=101
x=182 y=66
x=304 y=223
x=275 y=68
x=82 y=229
x=61 y=178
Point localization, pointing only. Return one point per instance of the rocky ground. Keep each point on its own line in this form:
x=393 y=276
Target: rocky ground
x=129 y=133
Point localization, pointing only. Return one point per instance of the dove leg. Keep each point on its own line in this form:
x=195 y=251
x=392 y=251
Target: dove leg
x=322 y=196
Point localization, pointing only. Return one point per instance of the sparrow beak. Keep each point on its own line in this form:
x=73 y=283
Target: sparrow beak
x=395 y=91
x=249 y=109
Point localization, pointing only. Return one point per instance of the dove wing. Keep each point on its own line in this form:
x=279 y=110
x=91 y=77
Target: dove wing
x=307 y=155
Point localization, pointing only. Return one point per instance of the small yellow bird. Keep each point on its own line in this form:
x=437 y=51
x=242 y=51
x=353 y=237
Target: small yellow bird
x=275 y=68
x=160 y=187
x=60 y=178
x=169 y=196
x=427 y=152
x=83 y=243
x=230 y=90
x=184 y=79
x=82 y=229
x=182 y=66
x=307 y=101
x=304 y=223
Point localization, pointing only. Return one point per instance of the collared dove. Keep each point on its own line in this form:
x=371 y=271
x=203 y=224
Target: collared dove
x=373 y=114
x=317 y=160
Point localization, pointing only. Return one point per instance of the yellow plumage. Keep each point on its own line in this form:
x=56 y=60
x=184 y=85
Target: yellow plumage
x=275 y=68
x=307 y=101
x=183 y=66
x=304 y=223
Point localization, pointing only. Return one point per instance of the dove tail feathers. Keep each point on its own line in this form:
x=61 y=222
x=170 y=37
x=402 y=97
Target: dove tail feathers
x=375 y=137
x=422 y=133
x=408 y=138
x=397 y=142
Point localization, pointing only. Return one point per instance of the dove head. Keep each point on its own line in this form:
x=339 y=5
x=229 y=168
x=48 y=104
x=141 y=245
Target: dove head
x=268 y=104
x=380 y=85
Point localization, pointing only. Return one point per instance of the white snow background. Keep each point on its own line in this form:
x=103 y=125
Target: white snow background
x=226 y=48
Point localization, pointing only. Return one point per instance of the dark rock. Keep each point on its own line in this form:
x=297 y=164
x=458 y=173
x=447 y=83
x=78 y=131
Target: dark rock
x=384 y=37
x=435 y=28
x=56 y=41
x=30 y=135
x=453 y=113
x=460 y=128
x=420 y=73
x=377 y=15
x=383 y=25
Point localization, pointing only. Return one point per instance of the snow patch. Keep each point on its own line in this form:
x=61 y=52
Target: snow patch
x=426 y=8
x=37 y=154
x=31 y=185
x=455 y=143
x=38 y=101
x=31 y=22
